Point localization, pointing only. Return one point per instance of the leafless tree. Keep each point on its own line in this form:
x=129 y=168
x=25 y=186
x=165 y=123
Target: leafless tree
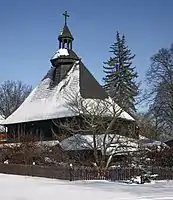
x=98 y=126
x=147 y=126
x=160 y=90
x=12 y=95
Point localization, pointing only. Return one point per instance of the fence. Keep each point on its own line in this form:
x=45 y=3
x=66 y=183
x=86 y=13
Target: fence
x=119 y=174
x=34 y=170
x=82 y=173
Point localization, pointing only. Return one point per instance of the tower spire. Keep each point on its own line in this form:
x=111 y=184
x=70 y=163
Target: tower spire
x=65 y=53
x=65 y=38
x=66 y=15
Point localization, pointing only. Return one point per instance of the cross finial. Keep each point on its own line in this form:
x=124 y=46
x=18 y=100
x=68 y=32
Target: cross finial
x=66 y=15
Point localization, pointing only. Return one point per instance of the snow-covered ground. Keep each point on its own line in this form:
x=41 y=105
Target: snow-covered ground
x=31 y=188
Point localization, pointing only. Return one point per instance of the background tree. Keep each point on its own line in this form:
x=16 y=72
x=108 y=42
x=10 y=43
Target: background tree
x=120 y=76
x=12 y=95
x=160 y=91
x=146 y=126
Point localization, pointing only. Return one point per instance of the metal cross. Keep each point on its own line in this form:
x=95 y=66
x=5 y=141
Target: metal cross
x=66 y=15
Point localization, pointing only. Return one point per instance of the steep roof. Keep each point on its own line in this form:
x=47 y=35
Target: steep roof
x=65 y=33
x=47 y=102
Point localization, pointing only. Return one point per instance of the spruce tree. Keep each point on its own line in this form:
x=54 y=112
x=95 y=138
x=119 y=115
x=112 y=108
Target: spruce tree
x=120 y=76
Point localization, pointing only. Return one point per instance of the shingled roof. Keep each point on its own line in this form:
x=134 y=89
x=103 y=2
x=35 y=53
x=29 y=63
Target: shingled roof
x=46 y=102
x=65 y=33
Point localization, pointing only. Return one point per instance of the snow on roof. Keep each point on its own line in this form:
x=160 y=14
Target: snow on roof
x=50 y=143
x=146 y=142
x=46 y=102
x=106 y=107
x=116 y=143
x=152 y=143
x=60 y=52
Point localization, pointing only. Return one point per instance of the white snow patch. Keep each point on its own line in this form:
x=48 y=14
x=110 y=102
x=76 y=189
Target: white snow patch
x=31 y=188
x=60 y=52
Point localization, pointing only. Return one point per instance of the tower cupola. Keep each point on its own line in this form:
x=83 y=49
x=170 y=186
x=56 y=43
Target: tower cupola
x=65 y=38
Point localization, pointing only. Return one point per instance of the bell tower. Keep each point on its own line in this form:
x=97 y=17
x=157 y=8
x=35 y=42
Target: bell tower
x=64 y=57
x=65 y=38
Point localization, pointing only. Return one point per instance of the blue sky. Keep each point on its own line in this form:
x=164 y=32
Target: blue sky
x=29 y=31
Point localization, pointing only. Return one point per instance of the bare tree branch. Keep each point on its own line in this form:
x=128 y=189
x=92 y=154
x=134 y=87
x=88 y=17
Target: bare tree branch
x=160 y=92
x=97 y=127
x=12 y=95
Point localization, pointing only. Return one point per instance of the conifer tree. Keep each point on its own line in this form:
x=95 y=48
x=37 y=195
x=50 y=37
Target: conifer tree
x=120 y=76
